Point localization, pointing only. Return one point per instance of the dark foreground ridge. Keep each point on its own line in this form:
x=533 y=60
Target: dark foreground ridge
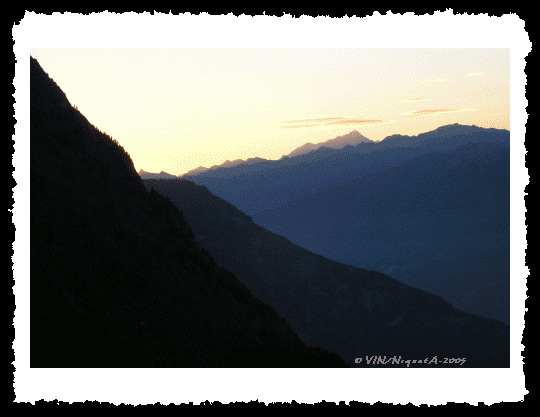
x=117 y=277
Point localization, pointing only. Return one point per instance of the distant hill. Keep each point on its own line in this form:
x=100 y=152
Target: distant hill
x=150 y=175
x=226 y=164
x=352 y=311
x=413 y=207
x=439 y=222
x=117 y=276
x=270 y=184
x=353 y=138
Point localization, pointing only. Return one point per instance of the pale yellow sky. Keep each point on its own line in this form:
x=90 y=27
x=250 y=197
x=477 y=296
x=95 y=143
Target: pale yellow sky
x=176 y=109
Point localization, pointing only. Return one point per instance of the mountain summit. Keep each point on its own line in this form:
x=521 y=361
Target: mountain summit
x=151 y=175
x=350 y=139
x=431 y=210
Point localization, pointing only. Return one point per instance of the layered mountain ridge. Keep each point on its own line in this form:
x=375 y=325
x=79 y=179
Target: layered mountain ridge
x=226 y=164
x=432 y=210
x=353 y=138
x=350 y=310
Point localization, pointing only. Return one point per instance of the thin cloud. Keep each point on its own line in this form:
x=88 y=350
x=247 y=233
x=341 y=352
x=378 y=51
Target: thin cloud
x=295 y=126
x=326 y=119
x=413 y=100
x=474 y=74
x=330 y=121
x=431 y=112
x=356 y=122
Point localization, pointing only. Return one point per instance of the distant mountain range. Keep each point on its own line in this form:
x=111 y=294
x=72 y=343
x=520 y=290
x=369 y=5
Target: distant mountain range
x=440 y=223
x=414 y=207
x=351 y=139
x=226 y=164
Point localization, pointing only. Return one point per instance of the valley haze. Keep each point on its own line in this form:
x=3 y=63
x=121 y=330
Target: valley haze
x=431 y=210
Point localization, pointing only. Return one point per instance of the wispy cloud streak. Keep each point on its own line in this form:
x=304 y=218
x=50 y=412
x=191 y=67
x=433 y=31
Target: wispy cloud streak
x=327 y=121
x=432 y=112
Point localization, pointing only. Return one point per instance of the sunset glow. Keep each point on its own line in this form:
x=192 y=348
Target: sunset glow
x=174 y=110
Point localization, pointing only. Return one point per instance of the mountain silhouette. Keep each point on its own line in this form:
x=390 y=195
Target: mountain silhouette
x=355 y=312
x=431 y=210
x=117 y=276
x=148 y=175
x=268 y=185
x=226 y=164
x=438 y=222
x=353 y=138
